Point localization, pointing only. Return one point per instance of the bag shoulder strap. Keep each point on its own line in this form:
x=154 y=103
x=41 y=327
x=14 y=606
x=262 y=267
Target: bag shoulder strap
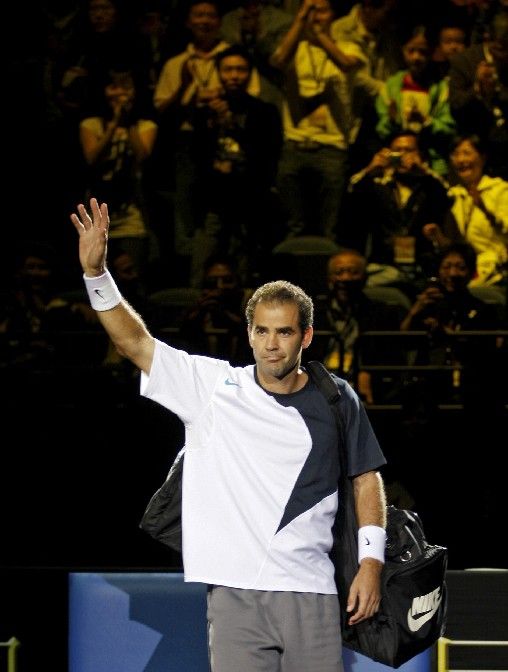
x=344 y=553
x=323 y=379
x=328 y=387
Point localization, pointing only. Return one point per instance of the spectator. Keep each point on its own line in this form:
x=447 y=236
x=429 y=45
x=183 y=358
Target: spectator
x=414 y=99
x=391 y=202
x=115 y=142
x=445 y=308
x=158 y=30
x=370 y=25
x=452 y=39
x=108 y=41
x=479 y=212
x=240 y=138
x=221 y=305
x=317 y=120
x=35 y=310
x=479 y=92
x=259 y=26
x=185 y=85
x=348 y=312
x=130 y=281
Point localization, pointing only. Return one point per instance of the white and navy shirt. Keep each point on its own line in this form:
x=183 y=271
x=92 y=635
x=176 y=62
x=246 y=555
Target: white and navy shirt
x=260 y=472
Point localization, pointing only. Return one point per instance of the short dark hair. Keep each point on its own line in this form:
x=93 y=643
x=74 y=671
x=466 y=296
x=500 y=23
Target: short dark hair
x=477 y=142
x=234 y=50
x=402 y=133
x=466 y=251
x=282 y=291
x=409 y=32
x=421 y=144
x=351 y=252
x=192 y=3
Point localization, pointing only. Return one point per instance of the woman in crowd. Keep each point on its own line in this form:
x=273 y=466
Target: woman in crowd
x=479 y=212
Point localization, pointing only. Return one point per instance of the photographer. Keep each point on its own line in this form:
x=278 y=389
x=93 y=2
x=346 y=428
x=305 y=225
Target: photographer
x=445 y=307
x=348 y=312
x=220 y=306
x=390 y=202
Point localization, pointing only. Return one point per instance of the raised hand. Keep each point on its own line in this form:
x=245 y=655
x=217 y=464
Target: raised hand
x=93 y=237
x=306 y=9
x=381 y=159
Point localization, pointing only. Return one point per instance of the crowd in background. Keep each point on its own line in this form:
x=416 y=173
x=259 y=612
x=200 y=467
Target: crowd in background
x=222 y=134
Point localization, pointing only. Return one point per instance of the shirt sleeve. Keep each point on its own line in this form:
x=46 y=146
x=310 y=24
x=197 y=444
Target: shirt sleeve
x=363 y=450
x=181 y=382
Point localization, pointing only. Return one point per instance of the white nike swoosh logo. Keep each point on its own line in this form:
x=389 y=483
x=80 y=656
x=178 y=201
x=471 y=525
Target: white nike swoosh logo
x=414 y=624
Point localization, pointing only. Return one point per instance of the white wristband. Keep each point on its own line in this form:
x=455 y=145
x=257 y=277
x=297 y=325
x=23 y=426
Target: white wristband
x=371 y=543
x=102 y=291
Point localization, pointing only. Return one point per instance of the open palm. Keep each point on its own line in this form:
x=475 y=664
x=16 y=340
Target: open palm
x=93 y=236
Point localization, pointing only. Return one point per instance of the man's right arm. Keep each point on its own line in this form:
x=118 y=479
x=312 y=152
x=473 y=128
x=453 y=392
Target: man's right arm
x=287 y=46
x=123 y=325
x=129 y=334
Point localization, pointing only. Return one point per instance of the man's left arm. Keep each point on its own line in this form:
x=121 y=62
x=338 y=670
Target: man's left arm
x=370 y=502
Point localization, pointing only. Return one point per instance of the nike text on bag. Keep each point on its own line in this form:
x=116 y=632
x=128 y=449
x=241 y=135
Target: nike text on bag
x=412 y=614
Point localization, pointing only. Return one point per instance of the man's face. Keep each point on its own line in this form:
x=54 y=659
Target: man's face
x=407 y=147
x=203 y=21
x=36 y=272
x=499 y=51
x=220 y=277
x=276 y=340
x=453 y=272
x=452 y=41
x=234 y=73
x=345 y=272
x=102 y=15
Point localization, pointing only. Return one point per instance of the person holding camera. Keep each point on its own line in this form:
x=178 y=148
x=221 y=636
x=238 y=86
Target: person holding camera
x=214 y=325
x=443 y=309
x=347 y=312
x=390 y=202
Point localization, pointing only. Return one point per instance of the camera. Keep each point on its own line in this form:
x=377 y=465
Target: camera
x=434 y=282
x=395 y=158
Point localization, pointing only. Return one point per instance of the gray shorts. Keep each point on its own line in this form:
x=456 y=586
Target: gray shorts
x=265 y=631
